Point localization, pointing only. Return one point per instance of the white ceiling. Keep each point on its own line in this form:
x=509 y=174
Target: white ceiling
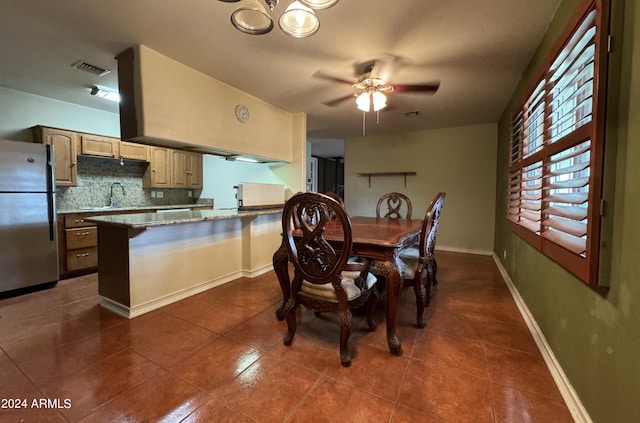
x=476 y=49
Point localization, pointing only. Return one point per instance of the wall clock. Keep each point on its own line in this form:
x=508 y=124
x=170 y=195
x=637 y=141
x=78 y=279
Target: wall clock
x=242 y=113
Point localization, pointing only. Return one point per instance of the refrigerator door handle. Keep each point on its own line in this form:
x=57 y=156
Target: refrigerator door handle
x=51 y=187
x=51 y=214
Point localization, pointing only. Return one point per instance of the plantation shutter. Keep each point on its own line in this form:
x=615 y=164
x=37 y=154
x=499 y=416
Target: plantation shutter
x=556 y=148
x=568 y=170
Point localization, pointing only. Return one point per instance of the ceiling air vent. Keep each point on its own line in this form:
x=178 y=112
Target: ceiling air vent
x=87 y=67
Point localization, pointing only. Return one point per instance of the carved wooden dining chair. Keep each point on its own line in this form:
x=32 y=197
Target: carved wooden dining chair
x=394 y=202
x=337 y=198
x=324 y=279
x=419 y=266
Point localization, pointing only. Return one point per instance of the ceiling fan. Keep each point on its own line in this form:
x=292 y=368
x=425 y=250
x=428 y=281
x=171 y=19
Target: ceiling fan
x=373 y=84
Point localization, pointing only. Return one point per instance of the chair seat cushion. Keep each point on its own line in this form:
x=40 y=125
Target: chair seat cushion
x=409 y=266
x=326 y=291
x=409 y=253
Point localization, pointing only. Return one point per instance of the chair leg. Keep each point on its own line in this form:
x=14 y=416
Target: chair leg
x=371 y=304
x=434 y=266
x=421 y=294
x=290 y=316
x=345 y=330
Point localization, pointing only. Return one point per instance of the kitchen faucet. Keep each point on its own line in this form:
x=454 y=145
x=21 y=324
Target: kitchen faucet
x=113 y=203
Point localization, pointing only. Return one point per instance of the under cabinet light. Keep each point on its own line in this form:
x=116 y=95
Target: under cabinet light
x=105 y=93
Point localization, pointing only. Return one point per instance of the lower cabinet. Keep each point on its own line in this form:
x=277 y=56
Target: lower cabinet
x=78 y=245
x=78 y=241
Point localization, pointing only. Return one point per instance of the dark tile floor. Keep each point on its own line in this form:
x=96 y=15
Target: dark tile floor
x=219 y=357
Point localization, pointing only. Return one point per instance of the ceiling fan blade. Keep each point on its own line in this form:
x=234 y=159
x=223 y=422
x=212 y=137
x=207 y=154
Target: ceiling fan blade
x=336 y=101
x=384 y=68
x=416 y=88
x=323 y=75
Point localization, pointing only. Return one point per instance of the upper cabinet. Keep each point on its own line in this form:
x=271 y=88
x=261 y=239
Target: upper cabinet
x=158 y=173
x=65 y=152
x=97 y=145
x=133 y=151
x=186 y=169
x=100 y=146
x=164 y=100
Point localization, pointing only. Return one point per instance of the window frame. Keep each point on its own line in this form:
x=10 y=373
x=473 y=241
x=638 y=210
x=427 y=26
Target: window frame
x=585 y=267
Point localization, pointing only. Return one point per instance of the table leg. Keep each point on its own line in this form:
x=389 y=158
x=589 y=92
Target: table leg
x=394 y=280
x=281 y=267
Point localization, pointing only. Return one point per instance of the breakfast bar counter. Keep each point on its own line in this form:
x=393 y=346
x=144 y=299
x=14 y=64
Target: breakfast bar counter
x=149 y=260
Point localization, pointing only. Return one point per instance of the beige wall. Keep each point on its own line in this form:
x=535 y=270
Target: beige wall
x=178 y=103
x=594 y=336
x=459 y=161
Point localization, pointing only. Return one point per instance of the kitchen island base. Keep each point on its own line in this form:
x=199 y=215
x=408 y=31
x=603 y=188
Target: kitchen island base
x=147 y=262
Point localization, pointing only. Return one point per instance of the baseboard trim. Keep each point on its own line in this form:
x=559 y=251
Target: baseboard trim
x=132 y=312
x=571 y=398
x=464 y=250
x=252 y=273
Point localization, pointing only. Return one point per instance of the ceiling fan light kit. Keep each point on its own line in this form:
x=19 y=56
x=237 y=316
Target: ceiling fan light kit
x=298 y=20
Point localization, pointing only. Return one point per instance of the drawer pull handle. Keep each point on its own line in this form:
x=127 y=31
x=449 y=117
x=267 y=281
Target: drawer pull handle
x=82 y=233
x=82 y=255
x=79 y=220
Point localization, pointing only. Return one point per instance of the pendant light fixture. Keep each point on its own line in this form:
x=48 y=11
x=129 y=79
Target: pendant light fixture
x=319 y=4
x=298 y=20
x=251 y=18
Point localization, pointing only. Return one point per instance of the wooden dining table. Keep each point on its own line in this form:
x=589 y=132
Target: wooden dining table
x=377 y=239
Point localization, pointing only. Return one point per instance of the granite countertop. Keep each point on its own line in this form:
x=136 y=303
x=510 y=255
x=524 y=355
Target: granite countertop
x=146 y=220
x=108 y=209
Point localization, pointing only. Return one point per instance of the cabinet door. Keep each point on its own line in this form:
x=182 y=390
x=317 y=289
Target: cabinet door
x=96 y=145
x=158 y=173
x=179 y=169
x=133 y=151
x=194 y=170
x=64 y=152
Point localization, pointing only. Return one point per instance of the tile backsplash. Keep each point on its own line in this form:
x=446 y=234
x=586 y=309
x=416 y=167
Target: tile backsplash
x=95 y=177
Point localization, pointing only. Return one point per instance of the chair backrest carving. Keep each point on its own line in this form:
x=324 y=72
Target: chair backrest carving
x=394 y=202
x=430 y=225
x=305 y=219
x=337 y=198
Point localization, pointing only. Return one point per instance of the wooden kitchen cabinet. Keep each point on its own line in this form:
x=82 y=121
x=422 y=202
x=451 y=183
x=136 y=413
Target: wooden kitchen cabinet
x=65 y=151
x=97 y=145
x=133 y=151
x=78 y=246
x=186 y=169
x=158 y=173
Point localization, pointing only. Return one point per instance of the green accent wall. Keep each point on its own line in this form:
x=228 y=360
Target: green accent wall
x=460 y=161
x=595 y=336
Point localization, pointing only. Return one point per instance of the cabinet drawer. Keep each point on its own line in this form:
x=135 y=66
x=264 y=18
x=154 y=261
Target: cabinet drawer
x=76 y=221
x=81 y=259
x=81 y=237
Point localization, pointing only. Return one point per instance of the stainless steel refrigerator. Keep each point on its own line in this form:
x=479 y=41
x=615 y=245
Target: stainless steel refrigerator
x=28 y=234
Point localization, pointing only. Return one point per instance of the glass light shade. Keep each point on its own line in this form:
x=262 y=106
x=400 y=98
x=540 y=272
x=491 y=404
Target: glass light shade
x=379 y=101
x=299 y=21
x=319 y=4
x=252 y=18
x=363 y=102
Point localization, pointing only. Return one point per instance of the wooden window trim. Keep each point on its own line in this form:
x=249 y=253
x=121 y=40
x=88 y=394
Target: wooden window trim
x=585 y=268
